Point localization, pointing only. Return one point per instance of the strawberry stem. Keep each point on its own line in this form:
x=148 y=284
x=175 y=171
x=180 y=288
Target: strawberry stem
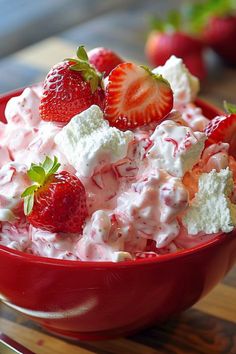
x=88 y=72
x=192 y=18
x=173 y=22
x=198 y=14
x=39 y=174
x=230 y=107
x=156 y=77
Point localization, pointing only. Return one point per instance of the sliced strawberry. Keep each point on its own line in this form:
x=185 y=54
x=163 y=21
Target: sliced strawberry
x=222 y=129
x=135 y=96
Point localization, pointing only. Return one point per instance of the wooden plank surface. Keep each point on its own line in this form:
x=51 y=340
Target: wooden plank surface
x=210 y=326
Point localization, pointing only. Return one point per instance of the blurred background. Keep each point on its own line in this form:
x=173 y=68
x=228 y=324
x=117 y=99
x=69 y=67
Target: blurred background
x=36 y=34
x=25 y=22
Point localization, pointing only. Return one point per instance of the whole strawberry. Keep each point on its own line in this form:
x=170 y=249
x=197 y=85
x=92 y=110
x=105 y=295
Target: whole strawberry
x=56 y=201
x=71 y=87
x=220 y=34
x=161 y=45
x=215 y=22
x=223 y=129
x=104 y=60
x=135 y=96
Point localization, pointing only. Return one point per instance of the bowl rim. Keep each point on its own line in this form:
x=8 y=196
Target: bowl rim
x=169 y=257
x=31 y=258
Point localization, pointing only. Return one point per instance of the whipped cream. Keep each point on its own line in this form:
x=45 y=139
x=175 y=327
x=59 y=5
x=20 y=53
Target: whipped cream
x=100 y=240
x=193 y=118
x=13 y=181
x=55 y=245
x=151 y=206
x=175 y=148
x=184 y=85
x=15 y=235
x=24 y=109
x=89 y=143
x=149 y=192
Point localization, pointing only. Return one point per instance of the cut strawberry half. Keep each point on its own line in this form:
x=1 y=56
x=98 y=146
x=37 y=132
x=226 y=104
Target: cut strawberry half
x=222 y=129
x=135 y=96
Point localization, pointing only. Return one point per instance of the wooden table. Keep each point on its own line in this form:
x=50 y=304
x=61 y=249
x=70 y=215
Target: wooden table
x=208 y=327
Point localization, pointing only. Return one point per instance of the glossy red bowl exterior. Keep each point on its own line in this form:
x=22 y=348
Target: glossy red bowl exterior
x=97 y=300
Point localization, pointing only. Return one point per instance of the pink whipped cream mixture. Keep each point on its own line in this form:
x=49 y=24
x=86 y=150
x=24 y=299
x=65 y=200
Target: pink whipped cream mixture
x=135 y=204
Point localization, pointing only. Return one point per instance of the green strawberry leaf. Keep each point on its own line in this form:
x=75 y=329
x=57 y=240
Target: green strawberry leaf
x=39 y=174
x=174 y=19
x=47 y=164
x=159 y=78
x=230 y=107
x=82 y=66
x=81 y=53
x=54 y=167
x=192 y=17
x=174 y=22
x=88 y=71
x=157 y=24
x=198 y=14
x=28 y=204
x=29 y=190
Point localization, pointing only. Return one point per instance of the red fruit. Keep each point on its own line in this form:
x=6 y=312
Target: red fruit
x=151 y=246
x=57 y=201
x=222 y=129
x=145 y=255
x=135 y=96
x=220 y=34
x=196 y=65
x=104 y=60
x=160 y=46
x=71 y=87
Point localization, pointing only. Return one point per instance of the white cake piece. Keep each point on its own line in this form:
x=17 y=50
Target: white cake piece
x=184 y=85
x=175 y=148
x=211 y=210
x=89 y=143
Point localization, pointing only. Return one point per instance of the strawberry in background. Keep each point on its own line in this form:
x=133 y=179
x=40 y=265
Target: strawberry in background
x=104 y=60
x=220 y=35
x=215 y=22
x=223 y=129
x=170 y=38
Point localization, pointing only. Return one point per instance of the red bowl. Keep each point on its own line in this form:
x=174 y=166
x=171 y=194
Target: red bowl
x=97 y=300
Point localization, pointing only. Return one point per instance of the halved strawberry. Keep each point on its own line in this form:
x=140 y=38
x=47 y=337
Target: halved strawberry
x=223 y=129
x=135 y=96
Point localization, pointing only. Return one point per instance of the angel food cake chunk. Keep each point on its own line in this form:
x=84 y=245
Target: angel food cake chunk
x=118 y=170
